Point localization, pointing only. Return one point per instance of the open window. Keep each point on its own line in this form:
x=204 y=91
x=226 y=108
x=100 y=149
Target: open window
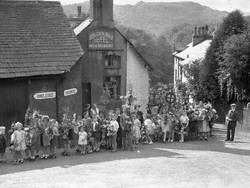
x=112 y=84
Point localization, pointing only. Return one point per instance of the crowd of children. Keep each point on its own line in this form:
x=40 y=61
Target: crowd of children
x=40 y=135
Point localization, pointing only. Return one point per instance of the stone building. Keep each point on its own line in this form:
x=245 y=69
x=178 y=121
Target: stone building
x=111 y=63
x=196 y=50
x=40 y=61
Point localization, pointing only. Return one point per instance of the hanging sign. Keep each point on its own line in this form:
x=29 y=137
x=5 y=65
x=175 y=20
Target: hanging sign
x=101 y=39
x=69 y=92
x=45 y=95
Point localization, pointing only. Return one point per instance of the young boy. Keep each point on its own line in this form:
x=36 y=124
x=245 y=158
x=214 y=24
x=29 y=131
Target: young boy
x=113 y=129
x=3 y=144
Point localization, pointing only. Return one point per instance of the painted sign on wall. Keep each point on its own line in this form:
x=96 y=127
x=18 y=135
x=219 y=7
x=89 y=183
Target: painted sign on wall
x=101 y=39
x=45 y=95
x=69 y=92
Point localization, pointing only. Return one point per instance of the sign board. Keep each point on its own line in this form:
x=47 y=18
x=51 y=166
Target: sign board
x=101 y=39
x=69 y=92
x=45 y=95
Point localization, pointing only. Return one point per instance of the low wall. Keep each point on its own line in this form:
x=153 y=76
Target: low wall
x=246 y=117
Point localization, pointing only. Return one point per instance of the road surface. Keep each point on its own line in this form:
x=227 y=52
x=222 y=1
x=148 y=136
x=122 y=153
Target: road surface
x=179 y=165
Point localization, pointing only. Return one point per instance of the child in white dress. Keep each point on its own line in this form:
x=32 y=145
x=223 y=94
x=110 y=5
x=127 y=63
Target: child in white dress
x=18 y=141
x=82 y=140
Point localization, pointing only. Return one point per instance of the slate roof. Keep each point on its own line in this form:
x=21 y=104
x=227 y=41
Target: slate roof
x=192 y=53
x=35 y=39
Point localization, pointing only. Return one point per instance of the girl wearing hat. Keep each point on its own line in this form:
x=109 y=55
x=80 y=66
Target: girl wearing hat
x=18 y=141
x=3 y=143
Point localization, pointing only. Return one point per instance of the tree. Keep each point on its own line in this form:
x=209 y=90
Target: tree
x=233 y=24
x=236 y=64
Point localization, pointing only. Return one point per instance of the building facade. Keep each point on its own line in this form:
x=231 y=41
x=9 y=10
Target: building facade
x=40 y=61
x=194 y=51
x=112 y=65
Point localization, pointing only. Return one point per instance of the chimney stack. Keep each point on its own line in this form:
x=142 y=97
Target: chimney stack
x=101 y=11
x=79 y=11
x=200 y=34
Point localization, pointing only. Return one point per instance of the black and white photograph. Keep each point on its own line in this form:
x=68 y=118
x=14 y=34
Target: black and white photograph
x=124 y=93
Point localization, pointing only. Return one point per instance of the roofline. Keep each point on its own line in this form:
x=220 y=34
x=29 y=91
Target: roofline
x=138 y=53
x=31 y=1
x=175 y=54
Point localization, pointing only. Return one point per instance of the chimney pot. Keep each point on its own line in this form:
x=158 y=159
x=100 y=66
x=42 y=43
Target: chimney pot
x=101 y=11
x=195 y=31
x=79 y=11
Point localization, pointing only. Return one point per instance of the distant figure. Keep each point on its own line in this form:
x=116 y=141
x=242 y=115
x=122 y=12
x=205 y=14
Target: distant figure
x=231 y=122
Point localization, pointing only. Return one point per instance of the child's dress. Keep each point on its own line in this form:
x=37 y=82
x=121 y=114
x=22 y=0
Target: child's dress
x=136 y=129
x=82 y=140
x=149 y=126
x=204 y=127
x=165 y=126
x=46 y=137
x=18 y=140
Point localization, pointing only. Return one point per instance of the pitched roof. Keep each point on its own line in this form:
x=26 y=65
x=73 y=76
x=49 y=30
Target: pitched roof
x=137 y=52
x=192 y=53
x=88 y=22
x=35 y=39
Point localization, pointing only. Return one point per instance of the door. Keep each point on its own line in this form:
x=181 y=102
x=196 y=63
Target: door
x=86 y=95
x=13 y=101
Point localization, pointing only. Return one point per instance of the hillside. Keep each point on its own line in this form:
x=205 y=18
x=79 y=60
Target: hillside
x=157 y=28
x=159 y=18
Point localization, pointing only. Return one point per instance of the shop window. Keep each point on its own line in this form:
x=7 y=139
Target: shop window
x=112 y=61
x=112 y=84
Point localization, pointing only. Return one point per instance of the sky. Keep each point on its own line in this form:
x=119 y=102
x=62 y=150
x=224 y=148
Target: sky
x=227 y=5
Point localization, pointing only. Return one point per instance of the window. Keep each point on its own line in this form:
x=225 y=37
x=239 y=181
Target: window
x=112 y=61
x=112 y=85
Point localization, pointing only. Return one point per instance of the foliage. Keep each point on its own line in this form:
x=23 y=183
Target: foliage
x=233 y=24
x=156 y=50
x=192 y=73
x=236 y=64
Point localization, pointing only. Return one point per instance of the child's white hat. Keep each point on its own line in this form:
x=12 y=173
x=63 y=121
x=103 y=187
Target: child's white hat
x=2 y=128
x=18 y=125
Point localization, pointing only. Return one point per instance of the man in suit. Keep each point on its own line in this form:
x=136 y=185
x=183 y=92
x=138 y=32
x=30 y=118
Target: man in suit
x=231 y=122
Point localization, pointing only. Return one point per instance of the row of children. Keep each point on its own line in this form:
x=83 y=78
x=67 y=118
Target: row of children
x=175 y=123
x=97 y=130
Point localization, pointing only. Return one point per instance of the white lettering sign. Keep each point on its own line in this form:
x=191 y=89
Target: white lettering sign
x=45 y=95
x=101 y=39
x=69 y=92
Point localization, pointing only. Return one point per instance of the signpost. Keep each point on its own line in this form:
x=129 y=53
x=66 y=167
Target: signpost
x=45 y=95
x=70 y=92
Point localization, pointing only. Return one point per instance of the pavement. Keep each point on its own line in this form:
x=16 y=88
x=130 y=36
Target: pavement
x=192 y=164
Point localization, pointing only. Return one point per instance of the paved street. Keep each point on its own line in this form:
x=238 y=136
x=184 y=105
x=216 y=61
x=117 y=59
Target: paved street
x=192 y=164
